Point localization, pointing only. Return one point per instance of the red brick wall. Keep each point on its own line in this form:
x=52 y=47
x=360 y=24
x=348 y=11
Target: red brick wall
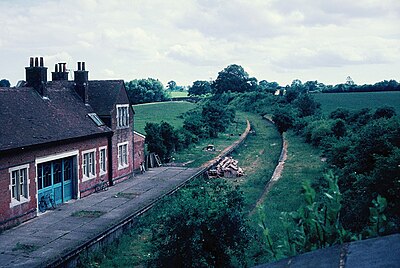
x=28 y=157
x=122 y=135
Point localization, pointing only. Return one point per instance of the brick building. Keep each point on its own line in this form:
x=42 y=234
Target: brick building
x=61 y=138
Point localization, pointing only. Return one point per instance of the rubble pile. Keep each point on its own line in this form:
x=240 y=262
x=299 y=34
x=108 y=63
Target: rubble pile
x=228 y=168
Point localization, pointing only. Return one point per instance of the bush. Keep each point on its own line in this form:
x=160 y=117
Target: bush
x=202 y=226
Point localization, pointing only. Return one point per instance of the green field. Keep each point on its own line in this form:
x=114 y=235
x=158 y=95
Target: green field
x=178 y=94
x=163 y=111
x=358 y=100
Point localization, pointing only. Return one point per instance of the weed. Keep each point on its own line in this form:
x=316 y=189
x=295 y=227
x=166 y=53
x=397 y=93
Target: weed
x=27 y=248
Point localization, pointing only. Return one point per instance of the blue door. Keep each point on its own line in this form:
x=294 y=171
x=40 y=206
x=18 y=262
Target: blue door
x=55 y=178
x=68 y=178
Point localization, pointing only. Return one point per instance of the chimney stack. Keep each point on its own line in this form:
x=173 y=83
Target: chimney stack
x=60 y=72
x=81 y=78
x=36 y=75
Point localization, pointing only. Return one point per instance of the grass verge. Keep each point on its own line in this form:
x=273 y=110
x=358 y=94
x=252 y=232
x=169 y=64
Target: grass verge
x=303 y=164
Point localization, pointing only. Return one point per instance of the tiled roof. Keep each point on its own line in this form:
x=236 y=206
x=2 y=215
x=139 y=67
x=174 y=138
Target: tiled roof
x=103 y=94
x=28 y=119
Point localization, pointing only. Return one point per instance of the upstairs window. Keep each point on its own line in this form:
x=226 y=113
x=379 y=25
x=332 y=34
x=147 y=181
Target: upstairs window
x=19 y=185
x=122 y=115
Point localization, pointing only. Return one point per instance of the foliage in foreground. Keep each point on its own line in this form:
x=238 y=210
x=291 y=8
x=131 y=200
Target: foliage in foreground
x=203 y=226
x=317 y=224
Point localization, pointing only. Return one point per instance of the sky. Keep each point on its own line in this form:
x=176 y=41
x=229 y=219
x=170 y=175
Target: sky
x=187 y=40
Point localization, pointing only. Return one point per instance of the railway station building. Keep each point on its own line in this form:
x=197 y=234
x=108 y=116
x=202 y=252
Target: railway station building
x=62 y=138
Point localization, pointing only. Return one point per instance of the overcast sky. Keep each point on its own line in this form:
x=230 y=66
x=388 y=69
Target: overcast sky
x=185 y=40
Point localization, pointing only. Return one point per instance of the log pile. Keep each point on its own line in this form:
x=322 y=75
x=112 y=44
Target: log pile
x=228 y=168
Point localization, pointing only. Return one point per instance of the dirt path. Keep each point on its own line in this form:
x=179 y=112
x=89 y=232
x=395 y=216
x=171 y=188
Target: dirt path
x=275 y=176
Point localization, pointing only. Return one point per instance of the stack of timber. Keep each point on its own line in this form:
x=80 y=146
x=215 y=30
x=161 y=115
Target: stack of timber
x=153 y=160
x=228 y=168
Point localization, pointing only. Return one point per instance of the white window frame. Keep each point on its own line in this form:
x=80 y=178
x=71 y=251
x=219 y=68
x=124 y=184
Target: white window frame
x=121 y=163
x=22 y=198
x=91 y=168
x=102 y=172
x=122 y=119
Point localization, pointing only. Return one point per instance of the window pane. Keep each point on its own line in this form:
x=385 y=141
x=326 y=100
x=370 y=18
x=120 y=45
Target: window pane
x=40 y=176
x=67 y=169
x=126 y=116
x=21 y=183
x=125 y=155
x=85 y=163
x=14 y=193
x=57 y=171
x=24 y=183
x=103 y=160
x=91 y=163
x=46 y=175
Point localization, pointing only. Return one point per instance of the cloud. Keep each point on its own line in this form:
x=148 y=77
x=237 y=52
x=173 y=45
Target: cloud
x=187 y=40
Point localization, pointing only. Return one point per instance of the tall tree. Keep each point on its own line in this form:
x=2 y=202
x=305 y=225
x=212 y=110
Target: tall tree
x=234 y=79
x=217 y=116
x=146 y=90
x=171 y=85
x=200 y=87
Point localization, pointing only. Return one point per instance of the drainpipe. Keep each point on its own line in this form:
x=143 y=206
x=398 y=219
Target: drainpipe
x=110 y=161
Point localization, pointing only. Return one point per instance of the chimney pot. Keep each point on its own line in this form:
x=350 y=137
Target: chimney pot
x=36 y=75
x=83 y=66
x=79 y=65
x=56 y=68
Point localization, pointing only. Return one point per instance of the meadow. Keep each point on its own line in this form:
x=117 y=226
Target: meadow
x=162 y=111
x=178 y=94
x=358 y=100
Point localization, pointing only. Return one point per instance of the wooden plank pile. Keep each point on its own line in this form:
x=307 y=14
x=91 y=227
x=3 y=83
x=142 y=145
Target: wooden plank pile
x=228 y=168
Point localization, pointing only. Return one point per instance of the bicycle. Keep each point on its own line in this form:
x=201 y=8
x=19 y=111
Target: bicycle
x=46 y=202
x=102 y=186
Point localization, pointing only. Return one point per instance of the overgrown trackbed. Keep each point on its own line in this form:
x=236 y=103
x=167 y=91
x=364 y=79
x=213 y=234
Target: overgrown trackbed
x=275 y=176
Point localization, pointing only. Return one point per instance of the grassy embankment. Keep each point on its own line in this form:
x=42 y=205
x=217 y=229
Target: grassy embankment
x=358 y=100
